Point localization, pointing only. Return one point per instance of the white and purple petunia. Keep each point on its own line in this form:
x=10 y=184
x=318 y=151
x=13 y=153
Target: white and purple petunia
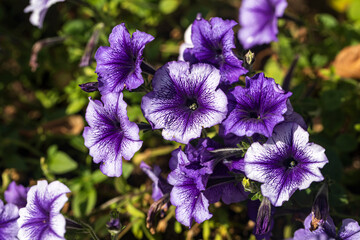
x=184 y=100
x=258 y=21
x=9 y=215
x=118 y=66
x=257 y=108
x=213 y=42
x=16 y=194
x=285 y=163
x=41 y=218
x=110 y=136
x=39 y=9
x=189 y=178
x=200 y=179
x=350 y=230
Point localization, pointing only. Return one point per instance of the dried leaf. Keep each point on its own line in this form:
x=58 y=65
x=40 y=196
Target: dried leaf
x=347 y=62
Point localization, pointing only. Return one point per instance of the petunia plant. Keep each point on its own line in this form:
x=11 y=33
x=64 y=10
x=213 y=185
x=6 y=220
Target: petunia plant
x=206 y=138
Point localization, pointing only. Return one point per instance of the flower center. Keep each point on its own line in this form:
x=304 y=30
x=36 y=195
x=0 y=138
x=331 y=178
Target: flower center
x=218 y=51
x=254 y=115
x=192 y=104
x=290 y=163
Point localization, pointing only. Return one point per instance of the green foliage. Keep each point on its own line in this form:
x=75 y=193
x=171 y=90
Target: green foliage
x=59 y=162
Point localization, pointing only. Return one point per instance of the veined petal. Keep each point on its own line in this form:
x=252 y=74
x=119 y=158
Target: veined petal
x=118 y=66
x=110 y=136
x=285 y=163
x=184 y=100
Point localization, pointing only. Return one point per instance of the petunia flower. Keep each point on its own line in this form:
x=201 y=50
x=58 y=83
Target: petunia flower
x=110 y=135
x=41 y=218
x=257 y=108
x=213 y=42
x=16 y=194
x=184 y=100
x=9 y=214
x=39 y=9
x=200 y=179
x=189 y=180
x=285 y=163
x=258 y=21
x=118 y=66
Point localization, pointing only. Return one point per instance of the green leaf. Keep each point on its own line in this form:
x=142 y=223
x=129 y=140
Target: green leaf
x=273 y=70
x=127 y=169
x=332 y=99
x=168 y=6
x=121 y=185
x=136 y=229
x=327 y=20
x=206 y=230
x=76 y=106
x=346 y=142
x=133 y=211
x=48 y=99
x=353 y=10
x=60 y=162
x=91 y=201
x=177 y=227
x=98 y=177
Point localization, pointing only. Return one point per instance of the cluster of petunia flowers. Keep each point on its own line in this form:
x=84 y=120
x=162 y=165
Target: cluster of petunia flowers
x=260 y=139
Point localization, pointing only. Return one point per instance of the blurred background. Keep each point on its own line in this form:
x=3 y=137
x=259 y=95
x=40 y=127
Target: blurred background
x=42 y=108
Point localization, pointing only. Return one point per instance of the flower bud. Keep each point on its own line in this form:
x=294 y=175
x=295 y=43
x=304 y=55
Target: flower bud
x=89 y=87
x=320 y=208
x=263 y=218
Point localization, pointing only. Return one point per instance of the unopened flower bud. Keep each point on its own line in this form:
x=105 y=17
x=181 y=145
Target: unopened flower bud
x=320 y=208
x=89 y=87
x=249 y=57
x=114 y=226
x=263 y=218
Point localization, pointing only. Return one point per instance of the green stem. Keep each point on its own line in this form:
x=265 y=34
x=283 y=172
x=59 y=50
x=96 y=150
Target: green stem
x=8 y=141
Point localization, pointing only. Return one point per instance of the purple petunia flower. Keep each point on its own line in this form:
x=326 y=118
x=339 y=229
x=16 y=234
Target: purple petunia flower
x=39 y=9
x=185 y=99
x=286 y=162
x=257 y=108
x=199 y=179
x=258 y=21
x=110 y=135
x=213 y=42
x=189 y=180
x=118 y=66
x=350 y=230
x=9 y=214
x=41 y=218
x=16 y=194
